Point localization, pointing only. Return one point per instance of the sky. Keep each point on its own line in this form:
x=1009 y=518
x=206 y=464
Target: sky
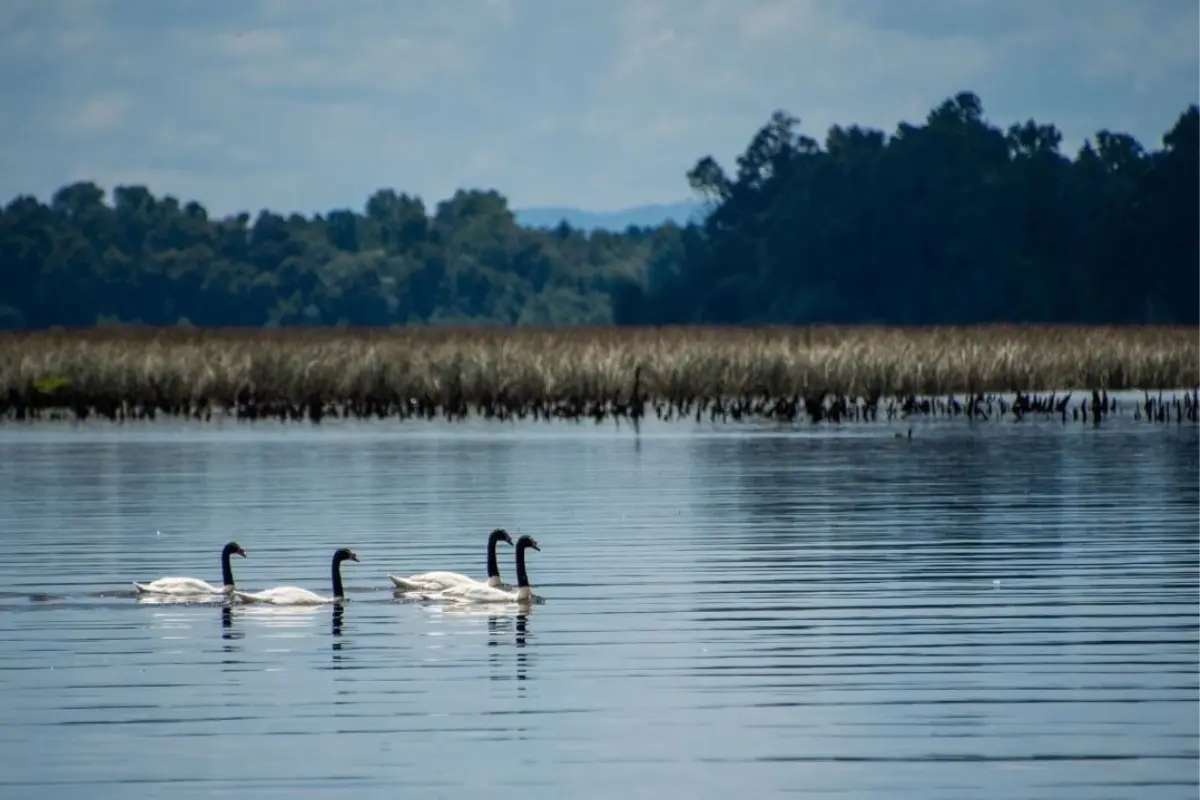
x=300 y=105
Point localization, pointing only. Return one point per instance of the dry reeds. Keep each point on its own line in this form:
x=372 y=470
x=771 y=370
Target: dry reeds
x=579 y=372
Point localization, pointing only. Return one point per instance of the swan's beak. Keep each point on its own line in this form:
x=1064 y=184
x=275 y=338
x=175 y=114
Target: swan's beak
x=534 y=545
x=354 y=556
x=240 y=552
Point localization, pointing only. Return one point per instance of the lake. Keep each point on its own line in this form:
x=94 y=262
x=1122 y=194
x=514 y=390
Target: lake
x=988 y=611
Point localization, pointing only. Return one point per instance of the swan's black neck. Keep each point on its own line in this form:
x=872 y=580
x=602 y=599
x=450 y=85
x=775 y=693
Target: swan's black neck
x=226 y=568
x=337 y=578
x=522 y=576
x=493 y=567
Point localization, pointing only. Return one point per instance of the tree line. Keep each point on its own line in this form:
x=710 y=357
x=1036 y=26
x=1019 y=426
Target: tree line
x=954 y=221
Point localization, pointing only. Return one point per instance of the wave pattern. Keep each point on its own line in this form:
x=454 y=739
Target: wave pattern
x=989 y=612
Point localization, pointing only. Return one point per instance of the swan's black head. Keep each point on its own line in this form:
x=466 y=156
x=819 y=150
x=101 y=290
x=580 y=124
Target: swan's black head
x=345 y=554
x=528 y=541
x=500 y=535
x=233 y=548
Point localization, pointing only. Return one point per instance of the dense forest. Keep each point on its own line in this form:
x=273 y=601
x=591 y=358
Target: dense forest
x=952 y=221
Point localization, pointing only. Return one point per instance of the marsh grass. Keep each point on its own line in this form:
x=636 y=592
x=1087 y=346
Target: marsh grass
x=178 y=370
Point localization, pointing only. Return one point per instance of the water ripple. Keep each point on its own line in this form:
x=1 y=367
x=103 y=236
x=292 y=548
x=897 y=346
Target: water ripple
x=991 y=612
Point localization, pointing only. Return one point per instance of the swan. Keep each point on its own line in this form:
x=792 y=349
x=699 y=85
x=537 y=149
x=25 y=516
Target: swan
x=295 y=596
x=195 y=586
x=434 y=581
x=481 y=593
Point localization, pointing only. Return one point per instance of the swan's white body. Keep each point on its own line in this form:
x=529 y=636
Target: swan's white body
x=181 y=586
x=438 y=580
x=480 y=593
x=285 y=596
x=295 y=596
x=194 y=587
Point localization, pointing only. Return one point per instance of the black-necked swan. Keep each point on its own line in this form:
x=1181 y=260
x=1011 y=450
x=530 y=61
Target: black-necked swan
x=435 y=581
x=195 y=586
x=295 y=596
x=479 y=593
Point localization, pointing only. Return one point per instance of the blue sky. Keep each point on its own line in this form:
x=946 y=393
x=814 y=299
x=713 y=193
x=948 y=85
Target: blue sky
x=305 y=105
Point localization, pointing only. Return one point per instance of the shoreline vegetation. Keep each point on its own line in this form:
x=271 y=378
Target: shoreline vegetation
x=833 y=374
x=870 y=275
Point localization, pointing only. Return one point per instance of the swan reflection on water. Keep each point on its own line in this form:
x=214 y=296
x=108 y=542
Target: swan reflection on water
x=174 y=617
x=278 y=615
x=339 y=611
x=227 y=630
x=232 y=636
x=282 y=622
x=180 y=599
x=497 y=626
x=522 y=653
x=286 y=617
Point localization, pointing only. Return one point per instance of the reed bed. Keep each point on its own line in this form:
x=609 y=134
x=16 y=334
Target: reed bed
x=819 y=372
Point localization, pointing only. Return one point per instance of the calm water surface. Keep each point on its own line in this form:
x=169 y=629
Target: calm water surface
x=1004 y=611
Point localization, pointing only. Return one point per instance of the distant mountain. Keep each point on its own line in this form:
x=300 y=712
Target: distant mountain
x=642 y=216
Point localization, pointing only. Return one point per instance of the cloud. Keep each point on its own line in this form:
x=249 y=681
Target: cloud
x=306 y=105
x=275 y=58
x=102 y=113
